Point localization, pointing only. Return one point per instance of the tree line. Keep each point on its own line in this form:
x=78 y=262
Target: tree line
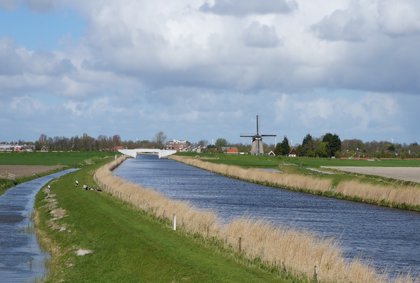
x=328 y=145
x=89 y=143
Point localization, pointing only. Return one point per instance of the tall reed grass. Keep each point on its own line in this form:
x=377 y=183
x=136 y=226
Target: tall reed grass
x=401 y=196
x=296 y=252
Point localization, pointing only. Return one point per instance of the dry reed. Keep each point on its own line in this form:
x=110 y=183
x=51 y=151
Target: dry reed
x=255 y=175
x=404 y=195
x=296 y=252
x=386 y=195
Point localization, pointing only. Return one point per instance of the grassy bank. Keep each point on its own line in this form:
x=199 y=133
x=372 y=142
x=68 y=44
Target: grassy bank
x=296 y=252
x=399 y=195
x=65 y=159
x=129 y=245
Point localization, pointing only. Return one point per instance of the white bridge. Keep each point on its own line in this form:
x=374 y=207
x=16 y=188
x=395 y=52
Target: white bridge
x=159 y=152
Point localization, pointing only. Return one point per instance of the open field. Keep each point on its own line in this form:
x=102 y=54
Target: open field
x=69 y=159
x=410 y=174
x=19 y=171
x=123 y=244
x=13 y=170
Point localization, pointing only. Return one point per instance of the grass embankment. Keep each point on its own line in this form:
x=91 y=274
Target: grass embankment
x=380 y=191
x=278 y=248
x=128 y=245
x=65 y=159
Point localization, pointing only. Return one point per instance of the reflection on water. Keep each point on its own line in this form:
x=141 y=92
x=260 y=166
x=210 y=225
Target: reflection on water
x=388 y=238
x=21 y=259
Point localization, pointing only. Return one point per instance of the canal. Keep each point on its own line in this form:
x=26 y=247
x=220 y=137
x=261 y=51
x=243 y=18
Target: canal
x=21 y=259
x=387 y=238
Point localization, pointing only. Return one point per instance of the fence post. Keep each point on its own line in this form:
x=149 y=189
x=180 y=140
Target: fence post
x=240 y=244
x=315 y=274
x=174 y=222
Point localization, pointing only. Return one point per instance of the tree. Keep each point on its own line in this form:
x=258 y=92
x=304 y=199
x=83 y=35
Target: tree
x=203 y=143
x=282 y=148
x=333 y=144
x=308 y=146
x=160 y=139
x=321 y=149
x=221 y=142
x=42 y=141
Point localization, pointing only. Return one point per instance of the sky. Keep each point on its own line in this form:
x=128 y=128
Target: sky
x=203 y=69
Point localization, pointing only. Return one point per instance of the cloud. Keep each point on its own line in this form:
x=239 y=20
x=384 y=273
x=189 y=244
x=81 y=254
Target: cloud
x=399 y=18
x=260 y=35
x=8 y=4
x=248 y=7
x=161 y=65
x=341 y=25
x=41 y=5
x=17 y=60
x=363 y=114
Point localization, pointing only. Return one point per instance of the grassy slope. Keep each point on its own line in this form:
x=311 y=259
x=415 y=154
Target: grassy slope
x=130 y=246
x=67 y=159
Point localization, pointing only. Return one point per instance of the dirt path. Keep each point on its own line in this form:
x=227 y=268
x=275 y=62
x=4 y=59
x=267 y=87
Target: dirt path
x=18 y=171
x=411 y=174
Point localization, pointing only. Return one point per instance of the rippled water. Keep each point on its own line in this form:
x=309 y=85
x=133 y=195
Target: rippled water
x=21 y=259
x=388 y=238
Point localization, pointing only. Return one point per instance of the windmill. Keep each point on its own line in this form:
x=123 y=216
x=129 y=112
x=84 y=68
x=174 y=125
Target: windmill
x=257 y=144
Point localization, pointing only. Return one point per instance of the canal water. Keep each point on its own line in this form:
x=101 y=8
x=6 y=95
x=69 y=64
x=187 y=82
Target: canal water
x=21 y=259
x=388 y=239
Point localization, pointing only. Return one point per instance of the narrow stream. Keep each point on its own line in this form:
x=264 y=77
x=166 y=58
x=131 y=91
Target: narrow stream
x=21 y=259
x=387 y=238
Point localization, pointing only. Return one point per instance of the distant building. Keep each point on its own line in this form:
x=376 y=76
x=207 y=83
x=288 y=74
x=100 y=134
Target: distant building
x=293 y=152
x=178 y=145
x=271 y=153
x=118 y=147
x=230 y=150
x=15 y=148
x=6 y=147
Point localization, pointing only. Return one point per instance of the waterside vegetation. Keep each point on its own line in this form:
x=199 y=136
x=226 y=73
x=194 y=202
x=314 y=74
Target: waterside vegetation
x=293 y=175
x=95 y=237
x=300 y=253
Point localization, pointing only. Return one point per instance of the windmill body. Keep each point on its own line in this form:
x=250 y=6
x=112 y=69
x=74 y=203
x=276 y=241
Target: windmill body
x=257 y=141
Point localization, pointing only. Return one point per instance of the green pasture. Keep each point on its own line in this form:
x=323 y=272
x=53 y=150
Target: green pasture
x=69 y=159
x=131 y=246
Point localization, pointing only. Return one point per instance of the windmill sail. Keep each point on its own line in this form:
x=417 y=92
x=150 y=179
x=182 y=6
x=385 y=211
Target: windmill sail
x=257 y=143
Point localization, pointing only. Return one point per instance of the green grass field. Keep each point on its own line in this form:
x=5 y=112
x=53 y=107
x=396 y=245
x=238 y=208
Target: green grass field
x=70 y=159
x=131 y=246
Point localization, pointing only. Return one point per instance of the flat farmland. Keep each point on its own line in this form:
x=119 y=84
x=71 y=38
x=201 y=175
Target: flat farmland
x=411 y=174
x=20 y=171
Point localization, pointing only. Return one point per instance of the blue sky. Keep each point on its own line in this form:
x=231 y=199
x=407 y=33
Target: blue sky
x=41 y=30
x=199 y=69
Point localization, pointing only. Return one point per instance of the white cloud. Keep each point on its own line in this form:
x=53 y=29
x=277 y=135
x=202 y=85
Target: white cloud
x=399 y=17
x=247 y=7
x=260 y=35
x=25 y=105
x=205 y=63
